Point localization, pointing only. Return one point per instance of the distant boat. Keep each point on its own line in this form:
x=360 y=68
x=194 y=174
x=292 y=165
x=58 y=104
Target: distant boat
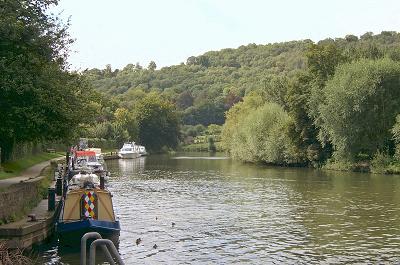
x=130 y=150
x=87 y=207
x=87 y=158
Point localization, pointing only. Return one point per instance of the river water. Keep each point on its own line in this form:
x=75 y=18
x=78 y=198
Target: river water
x=202 y=209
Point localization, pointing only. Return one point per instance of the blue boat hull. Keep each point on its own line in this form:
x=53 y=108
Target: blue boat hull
x=70 y=233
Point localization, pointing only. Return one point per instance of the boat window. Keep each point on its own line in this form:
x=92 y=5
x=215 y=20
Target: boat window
x=92 y=159
x=81 y=161
x=127 y=149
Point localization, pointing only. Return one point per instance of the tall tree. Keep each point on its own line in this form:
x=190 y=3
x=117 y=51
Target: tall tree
x=158 y=123
x=40 y=99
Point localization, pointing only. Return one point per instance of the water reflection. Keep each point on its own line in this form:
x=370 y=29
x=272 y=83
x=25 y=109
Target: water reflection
x=131 y=166
x=226 y=212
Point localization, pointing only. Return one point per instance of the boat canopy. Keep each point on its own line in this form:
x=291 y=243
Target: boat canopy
x=96 y=150
x=85 y=153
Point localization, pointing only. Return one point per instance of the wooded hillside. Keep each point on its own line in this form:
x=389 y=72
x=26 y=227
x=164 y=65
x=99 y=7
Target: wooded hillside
x=204 y=87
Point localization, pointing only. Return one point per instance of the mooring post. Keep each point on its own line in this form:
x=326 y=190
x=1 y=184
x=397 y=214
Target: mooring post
x=59 y=186
x=67 y=157
x=51 y=200
x=102 y=181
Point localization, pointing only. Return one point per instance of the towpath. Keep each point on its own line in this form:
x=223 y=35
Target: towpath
x=26 y=175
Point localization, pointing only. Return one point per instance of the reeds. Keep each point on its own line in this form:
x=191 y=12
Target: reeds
x=14 y=256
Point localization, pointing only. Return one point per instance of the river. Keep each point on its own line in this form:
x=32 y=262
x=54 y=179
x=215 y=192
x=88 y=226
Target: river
x=201 y=209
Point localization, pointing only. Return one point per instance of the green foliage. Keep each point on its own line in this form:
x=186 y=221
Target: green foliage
x=211 y=145
x=323 y=58
x=396 y=137
x=40 y=99
x=152 y=66
x=208 y=85
x=381 y=162
x=158 y=123
x=126 y=121
x=302 y=131
x=358 y=106
x=213 y=129
x=201 y=147
x=258 y=133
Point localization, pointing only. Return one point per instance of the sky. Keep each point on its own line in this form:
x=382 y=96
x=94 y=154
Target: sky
x=120 y=32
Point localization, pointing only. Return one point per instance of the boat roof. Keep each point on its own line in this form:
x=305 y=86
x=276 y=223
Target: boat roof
x=85 y=153
x=96 y=150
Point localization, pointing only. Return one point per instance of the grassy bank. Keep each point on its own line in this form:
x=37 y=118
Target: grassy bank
x=15 y=168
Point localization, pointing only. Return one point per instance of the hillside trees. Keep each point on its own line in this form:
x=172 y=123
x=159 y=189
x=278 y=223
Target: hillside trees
x=300 y=78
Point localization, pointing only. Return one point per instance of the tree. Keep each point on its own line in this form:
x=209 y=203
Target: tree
x=184 y=100
x=323 y=59
x=108 y=71
x=205 y=113
x=302 y=131
x=396 y=136
x=358 y=106
x=259 y=134
x=138 y=67
x=39 y=100
x=152 y=66
x=158 y=123
x=211 y=145
x=126 y=121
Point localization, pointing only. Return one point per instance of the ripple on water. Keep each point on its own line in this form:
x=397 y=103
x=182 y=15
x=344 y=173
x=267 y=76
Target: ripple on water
x=226 y=213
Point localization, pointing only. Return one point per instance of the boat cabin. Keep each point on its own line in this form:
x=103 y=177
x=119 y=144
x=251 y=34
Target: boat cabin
x=83 y=204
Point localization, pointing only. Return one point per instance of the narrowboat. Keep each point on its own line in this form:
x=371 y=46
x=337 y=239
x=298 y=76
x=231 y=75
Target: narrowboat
x=86 y=207
x=88 y=160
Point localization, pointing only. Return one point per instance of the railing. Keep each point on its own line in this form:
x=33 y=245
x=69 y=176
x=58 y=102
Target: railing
x=106 y=246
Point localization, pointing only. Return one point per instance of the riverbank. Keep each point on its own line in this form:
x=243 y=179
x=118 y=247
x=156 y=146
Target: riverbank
x=20 y=194
x=381 y=164
x=27 y=195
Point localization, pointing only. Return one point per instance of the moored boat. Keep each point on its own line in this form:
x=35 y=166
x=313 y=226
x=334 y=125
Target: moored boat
x=129 y=150
x=87 y=207
x=89 y=158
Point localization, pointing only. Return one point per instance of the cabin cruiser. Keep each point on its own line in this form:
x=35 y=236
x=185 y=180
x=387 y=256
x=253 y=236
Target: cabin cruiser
x=129 y=150
x=86 y=207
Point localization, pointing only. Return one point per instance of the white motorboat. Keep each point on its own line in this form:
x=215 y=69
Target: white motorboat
x=129 y=151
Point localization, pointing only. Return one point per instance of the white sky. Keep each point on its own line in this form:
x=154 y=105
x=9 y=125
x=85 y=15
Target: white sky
x=119 y=32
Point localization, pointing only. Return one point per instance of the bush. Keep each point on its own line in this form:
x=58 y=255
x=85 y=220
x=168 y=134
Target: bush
x=259 y=134
x=381 y=162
